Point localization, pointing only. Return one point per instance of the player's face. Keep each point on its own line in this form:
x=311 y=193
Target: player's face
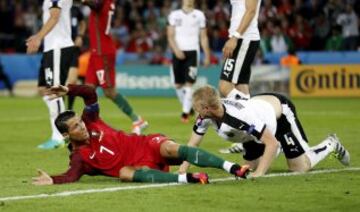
x=204 y=111
x=188 y=3
x=77 y=129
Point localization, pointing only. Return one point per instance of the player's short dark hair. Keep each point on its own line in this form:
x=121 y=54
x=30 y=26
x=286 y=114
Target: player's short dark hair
x=61 y=119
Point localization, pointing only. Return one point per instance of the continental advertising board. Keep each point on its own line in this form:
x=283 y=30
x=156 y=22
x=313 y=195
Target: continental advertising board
x=325 y=81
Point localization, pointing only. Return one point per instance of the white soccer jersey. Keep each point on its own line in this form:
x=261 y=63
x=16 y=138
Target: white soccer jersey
x=60 y=35
x=237 y=13
x=187 y=28
x=244 y=120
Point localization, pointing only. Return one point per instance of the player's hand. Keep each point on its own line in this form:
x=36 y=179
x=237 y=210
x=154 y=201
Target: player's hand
x=180 y=55
x=78 y=41
x=184 y=167
x=56 y=91
x=33 y=44
x=229 y=47
x=206 y=62
x=42 y=179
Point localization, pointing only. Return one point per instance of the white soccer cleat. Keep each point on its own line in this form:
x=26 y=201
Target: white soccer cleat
x=139 y=126
x=234 y=148
x=340 y=152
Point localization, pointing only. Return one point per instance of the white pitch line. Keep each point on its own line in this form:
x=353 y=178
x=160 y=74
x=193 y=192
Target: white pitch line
x=112 y=189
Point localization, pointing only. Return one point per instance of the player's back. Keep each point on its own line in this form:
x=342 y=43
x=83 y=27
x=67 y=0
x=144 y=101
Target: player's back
x=111 y=149
x=99 y=29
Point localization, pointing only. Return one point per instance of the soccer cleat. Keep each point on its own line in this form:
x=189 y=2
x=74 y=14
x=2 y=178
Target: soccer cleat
x=139 y=126
x=234 y=148
x=51 y=144
x=339 y=150
x=185 y=118
x=242 y=171
x=200 y=177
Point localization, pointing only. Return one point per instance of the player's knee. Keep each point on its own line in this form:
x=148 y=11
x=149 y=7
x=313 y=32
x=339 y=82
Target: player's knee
x=303 y=167
x=225 y=88
x=110 y=93
x=126 y=174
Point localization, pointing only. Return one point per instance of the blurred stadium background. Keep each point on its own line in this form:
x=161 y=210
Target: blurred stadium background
x=323 y=33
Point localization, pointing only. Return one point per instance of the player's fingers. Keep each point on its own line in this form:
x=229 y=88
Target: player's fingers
x=40 y=171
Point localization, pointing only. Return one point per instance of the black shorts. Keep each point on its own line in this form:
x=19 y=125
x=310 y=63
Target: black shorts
x=237 y=69
x=55 y=66
x=289 y=133
x=185 y=70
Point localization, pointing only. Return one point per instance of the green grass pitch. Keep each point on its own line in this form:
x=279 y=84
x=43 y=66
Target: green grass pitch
x=24 y=124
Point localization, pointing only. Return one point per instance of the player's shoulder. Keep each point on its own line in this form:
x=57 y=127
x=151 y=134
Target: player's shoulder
x=177 y=12
x=199 y=12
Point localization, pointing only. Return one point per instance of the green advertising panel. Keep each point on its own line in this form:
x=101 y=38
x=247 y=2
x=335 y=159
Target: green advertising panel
x=147 y=80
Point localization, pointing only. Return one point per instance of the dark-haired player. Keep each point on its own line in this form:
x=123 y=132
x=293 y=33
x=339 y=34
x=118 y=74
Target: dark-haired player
x=98 y=149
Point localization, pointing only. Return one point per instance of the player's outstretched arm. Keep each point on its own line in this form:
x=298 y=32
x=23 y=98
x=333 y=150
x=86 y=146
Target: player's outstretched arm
x=271 y=147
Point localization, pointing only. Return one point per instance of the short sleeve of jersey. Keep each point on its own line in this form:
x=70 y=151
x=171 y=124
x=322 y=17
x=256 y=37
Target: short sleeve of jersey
x=171 y=19
x=201 y=125
x=202 y=20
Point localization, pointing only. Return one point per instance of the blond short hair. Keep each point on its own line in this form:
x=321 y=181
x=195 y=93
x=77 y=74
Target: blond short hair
x=206 y=96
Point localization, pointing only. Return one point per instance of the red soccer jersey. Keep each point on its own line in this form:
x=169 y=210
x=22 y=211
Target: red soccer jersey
x=99 y=28
x=109 y=150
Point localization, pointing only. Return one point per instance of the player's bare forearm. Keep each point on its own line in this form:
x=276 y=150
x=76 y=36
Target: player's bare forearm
x=50 y=24
x=271 y=146
x=250 y=12
x=204 y=41
x=33 y=43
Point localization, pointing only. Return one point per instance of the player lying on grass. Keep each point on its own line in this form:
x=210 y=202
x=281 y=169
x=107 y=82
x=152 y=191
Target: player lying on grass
x=263 y=124
x=98 y=149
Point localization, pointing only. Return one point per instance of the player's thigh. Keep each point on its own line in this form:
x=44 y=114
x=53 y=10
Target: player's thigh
x=253 y=152
x=237 y=69
x=68 y=62
x=101 y=70
x=46 y=71
x=191 y=66
x=177 y=71
x=169 y=149
x=290 y=134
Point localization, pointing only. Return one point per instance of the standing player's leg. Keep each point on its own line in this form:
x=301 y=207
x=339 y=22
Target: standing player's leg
x=191 y=71
x=105 y=74
x=236 y=71
x=50 y=75
x=177 y=72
